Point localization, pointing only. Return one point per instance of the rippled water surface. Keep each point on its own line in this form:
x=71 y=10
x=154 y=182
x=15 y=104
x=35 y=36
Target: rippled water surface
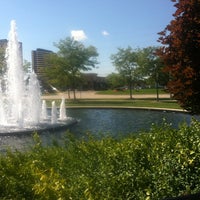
x=101 y=121
x=124 y=121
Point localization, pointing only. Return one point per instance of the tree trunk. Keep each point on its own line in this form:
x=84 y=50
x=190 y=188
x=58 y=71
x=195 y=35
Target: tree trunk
x=157 y=92
x=68 y=91
x=74 y=92
x=131 y=90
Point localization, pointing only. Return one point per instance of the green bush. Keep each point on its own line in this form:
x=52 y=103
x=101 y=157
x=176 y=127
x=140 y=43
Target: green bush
x=162 y=162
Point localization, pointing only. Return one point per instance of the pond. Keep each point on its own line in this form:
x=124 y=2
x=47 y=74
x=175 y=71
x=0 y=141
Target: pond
x=120 y=120
x=101 y=121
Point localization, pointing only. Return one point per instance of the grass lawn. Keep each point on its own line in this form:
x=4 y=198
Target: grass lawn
x=127 y=103
x=152 y=103
x=142 y=102
x=126 y=92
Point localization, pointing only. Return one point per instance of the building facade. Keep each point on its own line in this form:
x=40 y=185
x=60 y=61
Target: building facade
x=91 y=81
x=39 y=63
x=38 y=60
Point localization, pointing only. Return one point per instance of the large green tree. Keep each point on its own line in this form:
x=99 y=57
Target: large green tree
x=115 y=80
x=151 y=67
x=180 y=53
x=140 y=65
x=67 y=64
x=125 y=62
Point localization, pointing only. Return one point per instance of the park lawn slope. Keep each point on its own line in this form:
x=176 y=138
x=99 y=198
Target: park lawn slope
x=135 y=92
x=137 y=103
x=144 y=103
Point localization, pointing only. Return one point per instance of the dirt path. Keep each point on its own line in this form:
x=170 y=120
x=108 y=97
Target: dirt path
x=94 y=95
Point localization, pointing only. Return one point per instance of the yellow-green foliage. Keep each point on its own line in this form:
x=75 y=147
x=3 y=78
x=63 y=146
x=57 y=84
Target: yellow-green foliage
x=160 y=163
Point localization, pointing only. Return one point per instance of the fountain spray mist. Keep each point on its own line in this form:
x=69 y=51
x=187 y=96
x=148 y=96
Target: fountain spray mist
x=21 y=97
x=15 y=77
x=63 y=115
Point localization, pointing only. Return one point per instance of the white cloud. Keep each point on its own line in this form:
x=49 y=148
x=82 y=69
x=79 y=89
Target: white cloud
x=105 y=33
x=78 y=35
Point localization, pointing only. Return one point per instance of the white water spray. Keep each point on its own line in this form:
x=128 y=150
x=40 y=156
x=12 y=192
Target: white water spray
x=15 y=86
x=53 y=113
x=63 y=115
x=44 y=110
x=20 y=96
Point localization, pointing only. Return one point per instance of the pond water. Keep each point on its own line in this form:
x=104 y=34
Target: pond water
x=101 y=121
x=118 y=121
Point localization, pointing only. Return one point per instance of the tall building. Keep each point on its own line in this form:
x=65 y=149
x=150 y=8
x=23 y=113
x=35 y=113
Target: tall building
x=38 y=59
x=39 y=63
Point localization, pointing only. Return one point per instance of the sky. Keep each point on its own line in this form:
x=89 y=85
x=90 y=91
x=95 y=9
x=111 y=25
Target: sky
x=105 y=24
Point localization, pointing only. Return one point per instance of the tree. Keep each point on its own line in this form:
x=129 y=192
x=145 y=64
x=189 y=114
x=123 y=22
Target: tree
x=151 y=67
x=125 y=61
x=180 y=53
x=140 y=65
x=115 y=80
x=71 y=59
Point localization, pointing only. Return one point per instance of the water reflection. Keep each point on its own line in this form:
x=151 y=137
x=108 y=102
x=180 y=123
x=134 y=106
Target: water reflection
x=124 y=121
x=102 y=121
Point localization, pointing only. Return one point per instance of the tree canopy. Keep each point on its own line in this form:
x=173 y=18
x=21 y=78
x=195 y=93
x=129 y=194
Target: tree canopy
x=115 y=80
x=67 y=64
x=180 y=53
x=139 y=65
x=125 y=61
x=151 y=66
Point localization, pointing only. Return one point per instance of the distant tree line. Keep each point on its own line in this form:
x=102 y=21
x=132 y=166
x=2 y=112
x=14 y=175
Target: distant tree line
x=136 y=67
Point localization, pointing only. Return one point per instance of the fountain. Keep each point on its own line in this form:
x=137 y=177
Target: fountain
x=44 y=110
x=62 y=110
x=21 y=108
x=53 y=113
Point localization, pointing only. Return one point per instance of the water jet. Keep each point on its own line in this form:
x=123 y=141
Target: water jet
x=21 y=108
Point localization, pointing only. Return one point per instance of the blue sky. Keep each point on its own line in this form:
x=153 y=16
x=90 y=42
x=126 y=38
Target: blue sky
x=105 y=24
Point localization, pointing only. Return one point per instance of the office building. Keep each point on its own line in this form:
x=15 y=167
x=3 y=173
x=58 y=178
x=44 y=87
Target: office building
x=39 y=63
x=38 y=60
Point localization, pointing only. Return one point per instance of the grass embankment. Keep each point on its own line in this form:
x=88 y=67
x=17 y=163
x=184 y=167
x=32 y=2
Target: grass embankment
x=163 y=162
x=147 y=102
x=135 y=92
x=139 y=103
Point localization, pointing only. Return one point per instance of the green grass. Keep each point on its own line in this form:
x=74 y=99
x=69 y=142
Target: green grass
x=162 y=103
x=139 y=102
x=126 y=92
x=127 y=103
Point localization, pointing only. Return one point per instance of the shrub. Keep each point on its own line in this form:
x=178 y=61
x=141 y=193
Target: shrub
x=163 y=162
